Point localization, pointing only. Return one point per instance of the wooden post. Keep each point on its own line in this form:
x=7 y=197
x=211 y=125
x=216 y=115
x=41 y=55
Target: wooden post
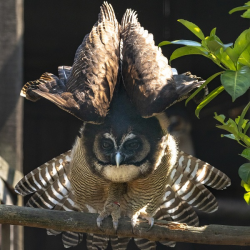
x=11 y=39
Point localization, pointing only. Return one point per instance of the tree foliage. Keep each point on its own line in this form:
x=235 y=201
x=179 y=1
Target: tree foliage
x=234 y=60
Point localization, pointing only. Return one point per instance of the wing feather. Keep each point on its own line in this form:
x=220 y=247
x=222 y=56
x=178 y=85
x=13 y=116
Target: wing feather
x=148 y=78
x=202 y=172
x=86 y=89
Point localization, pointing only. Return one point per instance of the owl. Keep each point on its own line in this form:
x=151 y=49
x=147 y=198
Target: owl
x=123 y=162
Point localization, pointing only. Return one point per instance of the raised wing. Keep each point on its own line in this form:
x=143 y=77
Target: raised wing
x=147 y=76
x=87 y=88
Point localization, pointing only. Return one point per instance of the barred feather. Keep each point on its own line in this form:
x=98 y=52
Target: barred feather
x=145 y=244
x=194 y=194
x=202 y=172
x=70 y=239
x=96 y=241
x=119 y=243
x=179 y=210
x=41 y=177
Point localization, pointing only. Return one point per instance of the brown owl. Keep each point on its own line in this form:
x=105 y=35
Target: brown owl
x=124 y=162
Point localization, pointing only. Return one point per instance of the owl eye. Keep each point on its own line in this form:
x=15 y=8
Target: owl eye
x=133 y=145
x=107 y=145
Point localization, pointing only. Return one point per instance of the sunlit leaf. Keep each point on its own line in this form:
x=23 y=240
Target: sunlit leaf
x=213 y=31
x=245 y=57
x=245 y=185
x=230 y=136
x=241 y=120
x=246 y=154
x=246 y=14
x=187 y=50
x=247 y=127
x=202 y=86
x=181 y=42
x=226 y=60
x=193 y=28
x=238 y=9
x=208 y=99
x=214 y=43
x=236 y=83
x=245 y=139
x=244 y=172
x=247 y=197
x=242 y=42
x=232 y=54
x=220 y=118
x=230 y=126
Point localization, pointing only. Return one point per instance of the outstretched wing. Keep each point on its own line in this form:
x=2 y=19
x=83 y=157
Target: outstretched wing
x=186 y=186
x=186 y=190
x=87 y=88
x=147 y=76
x=51 y=189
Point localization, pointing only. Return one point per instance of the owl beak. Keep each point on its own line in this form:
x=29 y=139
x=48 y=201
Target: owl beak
x=118 y=159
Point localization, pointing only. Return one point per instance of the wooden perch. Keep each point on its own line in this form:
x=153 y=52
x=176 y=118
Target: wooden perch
x=162 y=230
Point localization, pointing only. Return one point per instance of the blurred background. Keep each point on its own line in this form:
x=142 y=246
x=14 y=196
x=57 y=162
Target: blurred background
x=52 y=32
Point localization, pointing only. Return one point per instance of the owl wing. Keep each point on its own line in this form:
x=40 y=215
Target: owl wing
x=147 y=77
x=51 y=189
x=86 y=89
x=186 y=190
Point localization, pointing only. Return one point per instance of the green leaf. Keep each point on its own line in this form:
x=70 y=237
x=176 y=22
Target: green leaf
x=241 y=120
x=236 y=83
x=244 y=58
x=187 y=50
x=226 y=60
x=244 y=172
x=242 y=42
x=208 y=99
x=247 y=197
x=182 y=42
x=245 y=185
x=246 y=14
x=214 y=43
x=230 y=136
x=238 y=9
x=246 y=128
x=213 y=31
x=232 y=54
x=246 y=154
x=202 y=86
x=193 y=28
x=220 y=118
x=230 y=126
x=245 y=139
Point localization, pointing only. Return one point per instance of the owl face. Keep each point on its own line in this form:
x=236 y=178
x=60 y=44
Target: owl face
x=126 y=146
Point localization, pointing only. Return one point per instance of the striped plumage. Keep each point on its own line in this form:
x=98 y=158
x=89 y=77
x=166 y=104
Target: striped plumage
x=126 y=165
x=169 y=192
x=111 y=53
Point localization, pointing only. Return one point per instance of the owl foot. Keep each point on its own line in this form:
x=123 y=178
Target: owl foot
x=113 y=209
x=134 y=221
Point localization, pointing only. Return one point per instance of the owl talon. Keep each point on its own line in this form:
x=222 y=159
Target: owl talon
x=150 y=222
x=115 y=226
x=99 y=222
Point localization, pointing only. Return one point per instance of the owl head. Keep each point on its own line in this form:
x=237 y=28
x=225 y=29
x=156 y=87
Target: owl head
x=126 y=146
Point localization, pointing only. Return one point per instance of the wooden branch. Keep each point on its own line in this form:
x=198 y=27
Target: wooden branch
x=85 y=222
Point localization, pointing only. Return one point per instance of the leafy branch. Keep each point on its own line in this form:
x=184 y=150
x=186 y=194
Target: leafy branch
x=246 y=7
x=238 y=129
x=233 y=59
